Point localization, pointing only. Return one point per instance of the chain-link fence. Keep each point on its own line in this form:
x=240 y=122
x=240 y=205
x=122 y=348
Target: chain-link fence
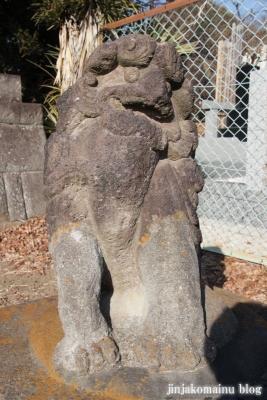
x=224 y=50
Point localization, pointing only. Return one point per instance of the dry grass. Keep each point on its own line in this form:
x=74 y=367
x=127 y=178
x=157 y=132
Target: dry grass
x=26 y=267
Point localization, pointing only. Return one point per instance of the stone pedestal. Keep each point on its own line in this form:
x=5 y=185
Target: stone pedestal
x=30 y=332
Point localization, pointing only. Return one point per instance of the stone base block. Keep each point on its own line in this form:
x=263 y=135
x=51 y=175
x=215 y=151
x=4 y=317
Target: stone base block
x=21 y=147
x=21 y=195
x=21 y=113
x=33 y=187
x=10 y=87
x=3 y=200
x=14 y=194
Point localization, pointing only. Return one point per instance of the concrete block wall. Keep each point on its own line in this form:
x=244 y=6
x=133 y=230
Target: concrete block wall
x=22 y=141
x=234 y=217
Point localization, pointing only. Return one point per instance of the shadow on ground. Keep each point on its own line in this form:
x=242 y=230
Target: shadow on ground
x=30 y=332
x=242 y=363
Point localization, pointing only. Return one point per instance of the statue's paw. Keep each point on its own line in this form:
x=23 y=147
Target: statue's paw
x=103 y=353
x=86 y=359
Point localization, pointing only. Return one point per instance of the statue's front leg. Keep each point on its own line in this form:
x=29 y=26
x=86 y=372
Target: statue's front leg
x=87 y=345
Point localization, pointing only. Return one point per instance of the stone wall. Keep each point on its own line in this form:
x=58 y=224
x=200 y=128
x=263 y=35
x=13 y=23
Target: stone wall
x=22 y=141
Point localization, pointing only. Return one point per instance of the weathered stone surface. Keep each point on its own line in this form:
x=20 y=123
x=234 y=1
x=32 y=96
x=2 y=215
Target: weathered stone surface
x=135 y=50
x=21 y=147
x=21 y=113
x=10 y=88
x=169 y=61
x=33 y=188
x=22 y=141
x=103 y=59
x=3 y=200
x=121 y=189
x=14 y=194
x=183 y=99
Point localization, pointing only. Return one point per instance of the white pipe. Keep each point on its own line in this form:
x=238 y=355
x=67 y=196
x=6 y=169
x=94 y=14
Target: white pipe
x=238 y=254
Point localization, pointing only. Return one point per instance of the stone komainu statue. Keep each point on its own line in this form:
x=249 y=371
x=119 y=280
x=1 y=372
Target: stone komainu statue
x=121 y=190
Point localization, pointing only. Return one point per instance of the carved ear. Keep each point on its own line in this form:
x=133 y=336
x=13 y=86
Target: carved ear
x=169 y=61
x=135 y=50
x=103 y=59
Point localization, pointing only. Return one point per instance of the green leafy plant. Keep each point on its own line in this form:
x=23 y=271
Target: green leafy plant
x=175 y=36
x=56 y=12
x=52 y=91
